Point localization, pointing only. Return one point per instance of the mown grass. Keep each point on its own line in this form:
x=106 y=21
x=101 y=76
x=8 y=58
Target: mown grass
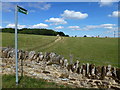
x=8 y=81
x=101 y=51
x=26 y=41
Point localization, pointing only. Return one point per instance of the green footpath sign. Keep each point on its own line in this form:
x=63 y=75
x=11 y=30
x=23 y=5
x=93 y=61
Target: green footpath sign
x=22 y=10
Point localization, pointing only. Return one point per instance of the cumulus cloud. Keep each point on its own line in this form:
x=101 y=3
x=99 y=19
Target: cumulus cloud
x=56 y=21
x=0 y=27
x=107 y=2
x=13 y=26
x=70 y=14
x=107 y=26
x=74 y=27
x=40 y=25
x=115 y=14
x=114 y=29
x=89 y=27
x=59 y=27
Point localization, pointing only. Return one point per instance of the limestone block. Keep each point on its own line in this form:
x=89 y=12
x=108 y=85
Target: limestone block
x=108 y=71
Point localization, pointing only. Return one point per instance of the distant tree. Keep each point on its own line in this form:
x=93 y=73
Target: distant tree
x=35 y=31
x=85 y=36
x=66 y=35
x=61 y=33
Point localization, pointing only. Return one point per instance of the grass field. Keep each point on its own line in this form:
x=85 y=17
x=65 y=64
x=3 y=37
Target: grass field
x=101 y=51
x=8 y=81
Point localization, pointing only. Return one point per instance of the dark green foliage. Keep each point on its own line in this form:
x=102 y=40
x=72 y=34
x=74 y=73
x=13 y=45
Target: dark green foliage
x=35 y=31
x=10 y=30
x=85 y=36
x=61 y=33
x=66 y=35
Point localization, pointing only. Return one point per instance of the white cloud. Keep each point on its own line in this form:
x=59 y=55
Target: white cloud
x=89 y=27
x=107 y=2
x=56 y=21
x=115 y=14
x=107 y=26
x=70 y=14
x=89 y=35
x=0 y=27
x=39 y=5
x=13 y=26
x=114 y=29
x=74 y=27
x=41 y=25
x=59 y=27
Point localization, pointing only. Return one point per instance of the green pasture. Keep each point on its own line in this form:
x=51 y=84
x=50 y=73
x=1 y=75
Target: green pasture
x=100 y=51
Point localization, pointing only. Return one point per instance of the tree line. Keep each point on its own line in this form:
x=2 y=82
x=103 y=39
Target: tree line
x=48 y=32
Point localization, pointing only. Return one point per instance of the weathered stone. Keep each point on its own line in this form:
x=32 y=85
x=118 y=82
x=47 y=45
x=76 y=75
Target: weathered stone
x=69 y=67
x=35 y=56
x=31 y=54
x=21 y=54
x=61 y=61
x=65 y=63
x=76 y=65
x=5 y=52
x=64 y=75
x=103 y=72
x=46 y=56
x=78 y=70
x=87 y=70
x=46 y=72
x=83 y=69
x=114 y=74
x=26 y=55
x=98 y=72
x=64 y=79
x=118 y=73
x=58 y=58
x=93 y=71
x=108 y=71
x=73 y=74
x=52 y=55
x=105 y=82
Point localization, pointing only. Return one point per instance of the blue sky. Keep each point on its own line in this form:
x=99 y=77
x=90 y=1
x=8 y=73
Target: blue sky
x=72 y=18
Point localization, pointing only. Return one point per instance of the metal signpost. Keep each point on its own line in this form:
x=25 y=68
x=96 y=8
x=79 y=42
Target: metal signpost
x=24 y=11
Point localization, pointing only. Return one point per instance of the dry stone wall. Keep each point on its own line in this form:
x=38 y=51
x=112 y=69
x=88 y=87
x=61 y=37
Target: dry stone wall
x=53 y=67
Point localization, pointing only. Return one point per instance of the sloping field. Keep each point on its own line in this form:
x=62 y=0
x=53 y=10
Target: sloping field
x=27 y=42
x=101 y=51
